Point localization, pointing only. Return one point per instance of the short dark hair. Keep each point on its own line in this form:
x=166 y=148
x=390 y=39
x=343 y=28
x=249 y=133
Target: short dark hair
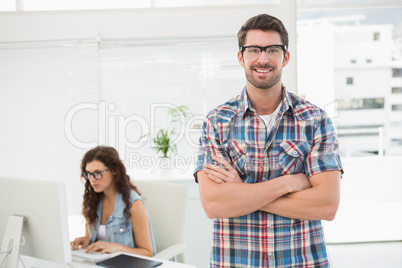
x=263 y=22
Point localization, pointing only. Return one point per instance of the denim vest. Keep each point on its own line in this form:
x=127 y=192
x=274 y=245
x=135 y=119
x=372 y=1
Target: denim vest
x=117 y=231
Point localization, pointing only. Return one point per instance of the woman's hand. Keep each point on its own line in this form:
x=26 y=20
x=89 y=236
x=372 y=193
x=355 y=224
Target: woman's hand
x=80 y=241
x=222 y=175
x=103 y=247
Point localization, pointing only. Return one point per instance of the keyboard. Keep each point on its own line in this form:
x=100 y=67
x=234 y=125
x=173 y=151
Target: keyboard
x=81 y=255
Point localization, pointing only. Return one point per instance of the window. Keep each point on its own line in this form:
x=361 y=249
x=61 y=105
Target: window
x=397 y=72
x=396 y=90
x=377 y=103
x=349 y=80
x=397 y=107
x=125 y=70
x=396 y=124
x=396 y=142
x=358 y=34
x=360 y=104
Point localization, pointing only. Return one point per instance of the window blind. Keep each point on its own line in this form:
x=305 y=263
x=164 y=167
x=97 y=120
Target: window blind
x=57 y=99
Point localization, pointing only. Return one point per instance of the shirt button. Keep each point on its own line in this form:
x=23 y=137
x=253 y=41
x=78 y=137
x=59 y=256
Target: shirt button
x=264 y=179
x=270 y=254
x=269 y=224
x=295 y=153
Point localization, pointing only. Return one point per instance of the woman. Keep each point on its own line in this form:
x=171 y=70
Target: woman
x=116 y=218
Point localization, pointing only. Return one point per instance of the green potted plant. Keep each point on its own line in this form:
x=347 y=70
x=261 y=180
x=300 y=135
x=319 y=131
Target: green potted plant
x=163 y=141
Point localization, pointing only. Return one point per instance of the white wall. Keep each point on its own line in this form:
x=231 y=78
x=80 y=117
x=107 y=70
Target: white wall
x=371 y=201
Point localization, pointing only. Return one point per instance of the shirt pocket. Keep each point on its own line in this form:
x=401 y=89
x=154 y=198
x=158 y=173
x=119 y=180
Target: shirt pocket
x=292 y=156
x=122 y=234
x=237 y=152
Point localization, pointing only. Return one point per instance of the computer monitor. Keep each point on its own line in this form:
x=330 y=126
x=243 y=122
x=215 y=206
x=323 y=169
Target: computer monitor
x=42 y=204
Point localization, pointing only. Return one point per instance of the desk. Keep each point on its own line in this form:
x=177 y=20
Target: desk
x=39 y=263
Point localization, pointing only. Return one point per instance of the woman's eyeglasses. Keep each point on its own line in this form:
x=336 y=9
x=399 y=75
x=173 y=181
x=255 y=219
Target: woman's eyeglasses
x=97 y=174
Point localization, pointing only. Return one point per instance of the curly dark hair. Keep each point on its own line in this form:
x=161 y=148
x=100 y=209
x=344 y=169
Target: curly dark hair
x=110 y=158
x=263 y=22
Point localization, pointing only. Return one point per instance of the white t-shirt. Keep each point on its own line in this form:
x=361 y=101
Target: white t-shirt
x=269 y=118
x=102 y=233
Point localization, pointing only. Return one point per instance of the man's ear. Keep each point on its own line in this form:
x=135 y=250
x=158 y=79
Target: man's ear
x=240 y=58
x=286 y=59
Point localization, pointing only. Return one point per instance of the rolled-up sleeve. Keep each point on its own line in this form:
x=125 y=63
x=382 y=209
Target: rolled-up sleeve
x=209 y=144
x=324 y=155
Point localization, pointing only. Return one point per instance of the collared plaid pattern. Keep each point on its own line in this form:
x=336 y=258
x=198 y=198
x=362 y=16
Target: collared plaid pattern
x=302 y=140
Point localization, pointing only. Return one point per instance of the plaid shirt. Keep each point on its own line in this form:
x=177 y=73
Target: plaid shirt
x=301 y=140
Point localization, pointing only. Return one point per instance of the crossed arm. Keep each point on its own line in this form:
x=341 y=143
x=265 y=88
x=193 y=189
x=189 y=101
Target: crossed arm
x=223 y=194
x=320 y=202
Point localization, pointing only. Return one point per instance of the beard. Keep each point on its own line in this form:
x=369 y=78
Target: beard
x=264 y=84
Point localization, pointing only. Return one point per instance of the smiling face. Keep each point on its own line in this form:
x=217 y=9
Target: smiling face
x=103 y=184
x=264 y=72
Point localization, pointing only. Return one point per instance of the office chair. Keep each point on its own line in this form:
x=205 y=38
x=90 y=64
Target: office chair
x=167 y=208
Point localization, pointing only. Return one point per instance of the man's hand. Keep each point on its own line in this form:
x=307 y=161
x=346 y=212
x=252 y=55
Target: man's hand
x=222 y=175
x=298 y=181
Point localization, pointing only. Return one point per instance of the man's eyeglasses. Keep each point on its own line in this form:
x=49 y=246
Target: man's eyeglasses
x=254 y=52
x=97 y=174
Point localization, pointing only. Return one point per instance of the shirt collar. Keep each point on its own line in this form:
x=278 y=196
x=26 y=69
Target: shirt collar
x=119 y=206
x=245 y=102
x=286 y=100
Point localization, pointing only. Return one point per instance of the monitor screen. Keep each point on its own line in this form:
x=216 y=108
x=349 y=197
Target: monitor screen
x=45 y=228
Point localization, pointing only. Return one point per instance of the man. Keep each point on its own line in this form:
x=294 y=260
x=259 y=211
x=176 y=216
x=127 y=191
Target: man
x=268 y=166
